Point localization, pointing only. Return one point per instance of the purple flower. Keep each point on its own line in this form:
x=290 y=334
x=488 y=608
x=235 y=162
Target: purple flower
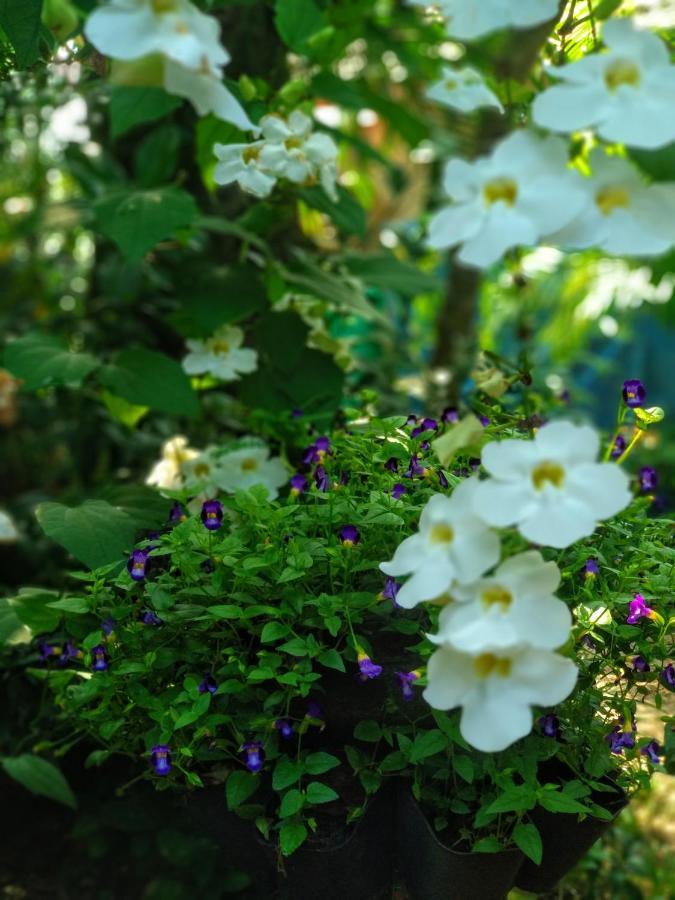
x=668 y=676
x=137 y=564
x=212 y=514
x=411 y=420
x=424 y=446
x=638 y=609
x=390 y=589
x=321 y=479
x=367 y=668
x=285 y=729
x=296 y=413
x=108 y=626
x=633 y=393
x=317 y=451
x=550 y=726
x=591 y=568
x=564 y=396
x=450 y=414
x=392 y=464
x=397 y=491
x=160 y=757
x=150 y=618
x=622 y=736
x=415 y=468
x=405 y=683
x=588 y=641
x=298 y=484
x=648 y=479
x=618 y=446
x=349 y=535
x=442 y=480
x=176 y=513
x=652 y=750
x=315 y=711
x=425 y=425
x=48 y=651
x=99 y=659
x=209 y=684
x=484 y=421
x=640 y=664
x=68 y=652
x=253 y=755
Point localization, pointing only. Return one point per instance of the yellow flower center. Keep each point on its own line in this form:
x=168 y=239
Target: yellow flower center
x=250 y=154
x=202 y=470
x=249 y=465
x=451 y=84
x=488 y=664
x=441 y=533
x=163 y=6
x=497 y=596
x=293 y=143
x=610 y=198
x=504 y=189
x=221 y=348
x=621 y=71
x=548 y=473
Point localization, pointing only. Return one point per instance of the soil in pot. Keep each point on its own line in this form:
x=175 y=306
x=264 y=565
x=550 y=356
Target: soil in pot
x=433 y=870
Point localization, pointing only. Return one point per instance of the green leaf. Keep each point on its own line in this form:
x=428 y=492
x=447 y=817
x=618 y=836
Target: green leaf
x=291 y=836
x=31 y=606
x=40 y=777
x=142 y=504
x=95 y=533
x=528 y=839
x=12 y=629
x=40 y=360
x=487 y=845
x=131 y=106
x=199 y=708
x=272 y=631
x=291 y=803
x=346 y=214
x=75 y=605
x=557 y=801
x=127 y=413
x=296 y=647
x=516 y=799
x=21 y=21
x=428 y=744
x=138 y=220
x=318 y=763
x=286 y=773
x=239 y=787
x=147 y=378
x=332 y=660
x=320 y=793
x=464 y=767
x=224 y=611
x=385 y=271
x=368 y=730
x=296 y=22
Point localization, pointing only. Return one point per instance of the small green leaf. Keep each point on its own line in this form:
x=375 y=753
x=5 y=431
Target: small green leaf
x=291 y=836
x=368 y=731
x=40 y=777
x=528 y=839
x=332 y=660
x=318 y=763
x=224 y=611
x=272 y=631
x=556 y=801
x=296 y=22
x=76 y=605
x=320 y=793
x=21 y=21
x=40 y=360
x=291 y=803
x=487 y=845
x=147 y=378
x=239 y=787
x=131 y=106
x=428 y=744
x=96 y=533
x=286 y=773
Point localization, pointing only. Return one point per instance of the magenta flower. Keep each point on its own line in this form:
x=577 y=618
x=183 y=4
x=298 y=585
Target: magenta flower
x=638 y=609
x=137 y=564
x=212 y=514
x=405 y=683
x=633 y=393
x=253 y=755
x=367 y=668
x=160 y=757
x=397 y=491
x=349 y=535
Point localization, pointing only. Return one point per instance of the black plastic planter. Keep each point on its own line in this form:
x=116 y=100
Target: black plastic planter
x=566 y=840
x=432 y=871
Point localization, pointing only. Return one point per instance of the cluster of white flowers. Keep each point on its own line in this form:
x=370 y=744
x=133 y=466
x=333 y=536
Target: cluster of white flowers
x=288 y=149
x=498 y=633
x=214 y=470
x=172 y=43
x=221 y=355
x=468 y=20
x=464 y=90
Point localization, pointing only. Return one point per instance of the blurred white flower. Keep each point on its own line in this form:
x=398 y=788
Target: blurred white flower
x=463 y=89
x=167 y=473
x=241 y=163
x=471 y=19
x=66 y=125
x=513 y=607
x=628 y=216
x=496 y=690
x=202 y=473
x=626 y=93
x=188 y=42
x=8 y=530
x=522 y=191
x=452 y=545
x=551 y=487
x=221 y=356
x=246 y=467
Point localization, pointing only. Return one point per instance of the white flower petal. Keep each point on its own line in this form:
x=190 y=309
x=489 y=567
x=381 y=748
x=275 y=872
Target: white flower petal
x=407 y=556
x=495 y=721
x=449 y=679
x=566 y=107
x=473 y=553
x=503 y=229
x=542 y=621
x=604 y=487
x=431 y=580
x=509 y=459
x=542 y=677
x=557 y=520
x=504 y=503
x=567 y=442
x=530 y=574
x=454 y=224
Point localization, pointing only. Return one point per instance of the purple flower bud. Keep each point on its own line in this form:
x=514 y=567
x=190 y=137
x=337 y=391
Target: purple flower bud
x=99 y=659
x=321 y=479
x=176 y=513
x=425 y=425
x=415 y=468
x=411 y=420
x=588 y=641
x=648 y=479
x=285 y=728
x=405 y=683
x=212 y=514
x=209 y=684
x=137 y=564
x=349 y=535
x=550 y=726
x=108 y=626
x=591 y=568
x=449 y=415
x=618 y=446
x=160 y=757
x=652 y=750
x=392 y=464
x=668 y=676
x=322 y=444
x=484 y=421
x=638 y=609
x=397 y=491
x=640 y=664
x=390 y=589
x=253 y=755
x=150 y=618
x=442 y=480
x=296 y=413
x=633 y=393
x=424 y=446
x=298 y=484
x=367 y=667
x=69 y=652
x=315 y=711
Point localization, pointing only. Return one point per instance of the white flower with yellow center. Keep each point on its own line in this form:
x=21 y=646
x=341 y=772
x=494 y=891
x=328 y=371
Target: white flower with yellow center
x=241 y=163
x=468 y=20
x=496 y=690
x=167 y=472
x=627 y=216
x=521 y=192
x=241 y=469
x=514 y=606
x=221 y=356
x=626 y=93
x=452 y=545
x=182 y=38
x=463 y=90
x=201 y=473
x=292 y=151
x=552 y=488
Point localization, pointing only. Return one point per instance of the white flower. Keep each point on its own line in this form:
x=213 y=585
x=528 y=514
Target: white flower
x=167 y=472
x=627 y=93
x=221 y=356
x=8 y=530
x=496 y=690
x=241 y=163
x=628 y=216
x=471 y=19
x=515 y=606
x=551 y=487
x=521 y=192
x=239 y=470
x=452 y=545
x=463 y=89
x=202 y=473
x=184 y=37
